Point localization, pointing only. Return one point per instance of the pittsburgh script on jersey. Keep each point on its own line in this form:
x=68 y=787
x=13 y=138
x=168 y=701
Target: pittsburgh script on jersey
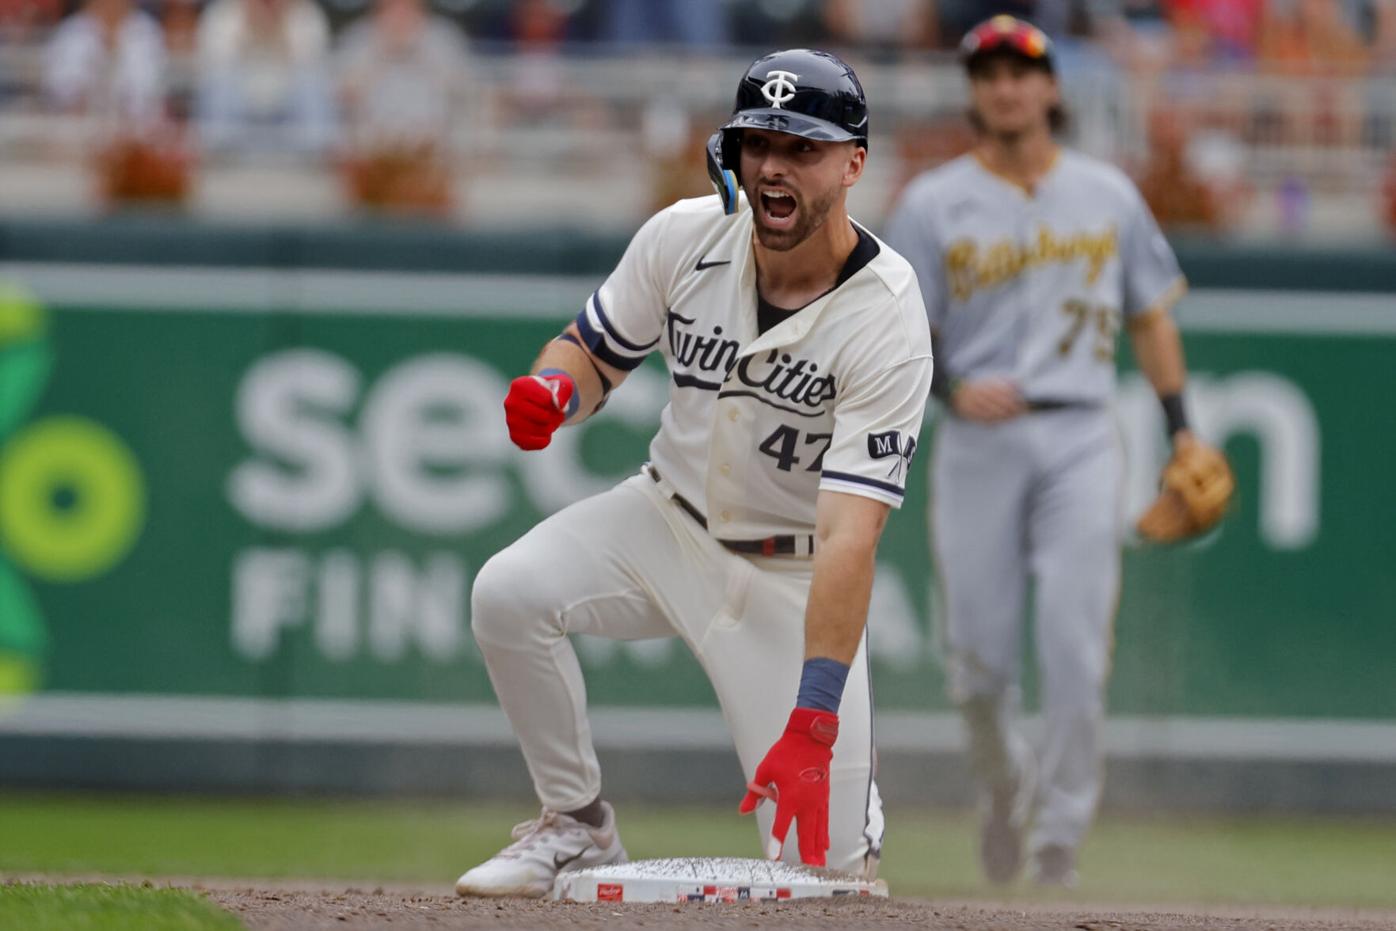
x=775 y=373
x=970 y=270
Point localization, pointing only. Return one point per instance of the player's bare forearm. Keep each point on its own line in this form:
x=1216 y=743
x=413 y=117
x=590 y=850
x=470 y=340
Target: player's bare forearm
x=847 y=528
x=1159 y=351
x=586 y=371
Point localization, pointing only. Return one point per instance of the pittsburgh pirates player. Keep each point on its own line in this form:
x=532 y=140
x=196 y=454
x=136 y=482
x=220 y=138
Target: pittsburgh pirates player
x=799 y=356
x=1030 y=257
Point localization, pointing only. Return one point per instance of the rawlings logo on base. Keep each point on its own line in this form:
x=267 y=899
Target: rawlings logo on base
x=714 y=893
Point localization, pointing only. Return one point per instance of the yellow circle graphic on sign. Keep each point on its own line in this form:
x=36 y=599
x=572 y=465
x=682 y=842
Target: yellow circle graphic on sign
x=21 y=317
x=72 y=499
x=18 y=676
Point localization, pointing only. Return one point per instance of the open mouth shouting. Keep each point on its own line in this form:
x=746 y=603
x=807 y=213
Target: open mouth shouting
x=778 y=208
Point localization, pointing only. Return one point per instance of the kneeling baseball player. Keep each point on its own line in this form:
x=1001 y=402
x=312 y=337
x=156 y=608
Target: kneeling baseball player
x=799 y=356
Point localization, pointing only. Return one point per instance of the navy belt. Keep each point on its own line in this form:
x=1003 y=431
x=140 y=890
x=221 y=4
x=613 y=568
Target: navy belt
x=781 y=545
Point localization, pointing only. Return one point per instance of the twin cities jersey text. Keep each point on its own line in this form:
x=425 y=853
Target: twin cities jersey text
x=758 y=423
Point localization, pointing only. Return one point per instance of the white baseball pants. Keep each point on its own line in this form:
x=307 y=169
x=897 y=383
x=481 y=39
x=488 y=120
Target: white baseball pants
x=631 y=564
x=1033 y=499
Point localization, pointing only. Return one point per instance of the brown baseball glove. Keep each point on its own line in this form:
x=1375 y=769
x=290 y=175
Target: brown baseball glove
x=1196 y=488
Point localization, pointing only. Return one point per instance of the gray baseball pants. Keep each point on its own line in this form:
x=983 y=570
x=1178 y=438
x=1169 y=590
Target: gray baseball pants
x=1038 y=499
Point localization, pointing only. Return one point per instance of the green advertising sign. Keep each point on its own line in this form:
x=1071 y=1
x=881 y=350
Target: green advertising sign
x=270 y=485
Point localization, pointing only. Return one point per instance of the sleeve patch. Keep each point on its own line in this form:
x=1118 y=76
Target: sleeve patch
x=893 y=444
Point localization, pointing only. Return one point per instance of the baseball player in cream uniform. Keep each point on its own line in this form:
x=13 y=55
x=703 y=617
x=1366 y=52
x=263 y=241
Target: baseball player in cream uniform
x=799 y=358
x=1031 y=258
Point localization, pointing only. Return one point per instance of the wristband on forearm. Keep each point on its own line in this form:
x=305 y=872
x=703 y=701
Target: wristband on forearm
x=1173 y=413
x=575 y=400
x=606 y=385
x=821 y=684
x=943 y=384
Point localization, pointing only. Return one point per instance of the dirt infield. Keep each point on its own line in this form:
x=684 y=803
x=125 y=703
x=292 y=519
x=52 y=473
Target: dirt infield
x=285 y=908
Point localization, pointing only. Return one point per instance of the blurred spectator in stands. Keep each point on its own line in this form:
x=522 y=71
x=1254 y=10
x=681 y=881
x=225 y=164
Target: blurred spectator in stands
x=107 y=63
x=882 y=26
x=23 y=21
x=401 y=68
x=1384 y=34
x=1170 y=186
x=1226 y=30
x=691 y=23
x=779 y=24
x=1136 y=34
x=676 y=143
x=180 y=19
x=538 y=91
x=538 y=24
x=1191 y=179
x=956 y=17
x=924 y=143
x=1388 y=195
x=1316 y=38
x=1310 y=37
x=263 y=76
x=1379 y=95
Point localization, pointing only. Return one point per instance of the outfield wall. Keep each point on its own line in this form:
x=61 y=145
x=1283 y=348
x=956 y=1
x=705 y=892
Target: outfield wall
x=247 y=475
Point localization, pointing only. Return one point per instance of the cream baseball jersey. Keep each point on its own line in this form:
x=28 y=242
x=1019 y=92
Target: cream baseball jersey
x=757 y=423
x=1034 y=288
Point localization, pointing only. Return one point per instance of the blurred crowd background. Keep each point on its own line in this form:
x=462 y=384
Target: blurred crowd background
x=1250 y=119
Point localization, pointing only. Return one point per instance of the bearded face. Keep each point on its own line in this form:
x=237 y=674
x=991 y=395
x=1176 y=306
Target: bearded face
x=791 y=184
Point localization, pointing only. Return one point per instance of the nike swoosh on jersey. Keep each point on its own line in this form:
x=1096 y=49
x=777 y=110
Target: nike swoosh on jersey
x=704 y=263
x=559 y=863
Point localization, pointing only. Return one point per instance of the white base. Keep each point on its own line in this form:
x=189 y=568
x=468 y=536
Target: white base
x=709 y=879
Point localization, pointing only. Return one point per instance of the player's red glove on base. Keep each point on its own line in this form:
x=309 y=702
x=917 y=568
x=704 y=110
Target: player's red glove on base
x=535 y=407
x=795 y=775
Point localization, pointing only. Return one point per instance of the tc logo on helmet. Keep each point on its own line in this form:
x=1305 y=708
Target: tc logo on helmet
x=779 y=87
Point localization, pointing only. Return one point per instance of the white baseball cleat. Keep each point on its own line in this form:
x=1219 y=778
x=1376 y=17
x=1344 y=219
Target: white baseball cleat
x=550 y=844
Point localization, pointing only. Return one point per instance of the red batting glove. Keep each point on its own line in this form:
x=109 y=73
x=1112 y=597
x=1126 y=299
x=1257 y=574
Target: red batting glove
x=535 y=407
x=795 y=775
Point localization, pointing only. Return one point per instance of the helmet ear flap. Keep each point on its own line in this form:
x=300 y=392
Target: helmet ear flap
x=724 y=158
x=732 y=150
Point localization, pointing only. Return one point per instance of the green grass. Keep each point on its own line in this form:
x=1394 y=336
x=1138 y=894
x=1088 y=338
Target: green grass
x=108 y=908
x=1257 y=860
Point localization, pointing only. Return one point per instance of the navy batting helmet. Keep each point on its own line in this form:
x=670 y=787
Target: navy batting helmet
x=800 y=91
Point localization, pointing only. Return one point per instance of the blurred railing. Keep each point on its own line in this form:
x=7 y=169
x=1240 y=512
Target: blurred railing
x=553 y=139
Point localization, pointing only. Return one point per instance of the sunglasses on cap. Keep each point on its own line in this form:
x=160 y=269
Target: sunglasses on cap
x=1006 y=33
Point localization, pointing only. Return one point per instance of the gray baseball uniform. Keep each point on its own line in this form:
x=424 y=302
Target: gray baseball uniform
x=1033 y=287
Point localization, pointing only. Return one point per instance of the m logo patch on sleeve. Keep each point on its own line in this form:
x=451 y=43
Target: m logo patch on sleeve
x=892 y=443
